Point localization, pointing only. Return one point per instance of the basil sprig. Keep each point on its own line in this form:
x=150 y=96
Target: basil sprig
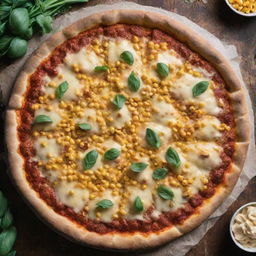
x=133 y=82
x=162 y=70
x=85 y=126
x=200 y=88
x=119 y=101
x=40 y=119
x=138 y=205
x=172 y=157
x=112 y=154
x=127 y=57
x=99 y=69
x=20 y=19
x=138 y=167
x=104 y=204
x=165 y=192
x=9 y=233
x=152 y=138
x=61 y=89
x=159 y=173
x=90 y=159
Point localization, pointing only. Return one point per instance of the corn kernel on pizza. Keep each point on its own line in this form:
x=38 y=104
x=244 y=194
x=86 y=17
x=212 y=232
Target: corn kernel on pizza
x=126 y=130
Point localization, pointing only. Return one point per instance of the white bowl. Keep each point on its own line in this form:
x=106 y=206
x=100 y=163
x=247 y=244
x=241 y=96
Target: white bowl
x=230 y=229
x=253 y=14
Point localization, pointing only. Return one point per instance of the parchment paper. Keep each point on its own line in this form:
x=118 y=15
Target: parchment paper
x=182 y=245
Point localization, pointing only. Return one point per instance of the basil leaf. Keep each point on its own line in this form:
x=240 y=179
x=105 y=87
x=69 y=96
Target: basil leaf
x=7 y=239
x=85 y=126
x=42 y=119
x=3 y=204
x=159 y=173
x=19 y=21
x=18 y=48
x=104 y=204
x=99 y=69
x=172 y=157
x=165 y=192
x=45 y=23
x=162 y=70
x=200 y=88
x=152 y=138
x=7 y=220
x=127 y=57
x=90 y=159
x=133 y=82
x=61 y=89
x=138 y=205
x=138 y=167
x=112 y=154
x=119 y=101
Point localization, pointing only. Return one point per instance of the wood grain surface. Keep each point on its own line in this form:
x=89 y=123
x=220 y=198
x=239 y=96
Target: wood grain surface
x=36 y=239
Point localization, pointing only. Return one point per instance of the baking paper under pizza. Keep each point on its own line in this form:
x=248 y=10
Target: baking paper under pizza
x=123 y=135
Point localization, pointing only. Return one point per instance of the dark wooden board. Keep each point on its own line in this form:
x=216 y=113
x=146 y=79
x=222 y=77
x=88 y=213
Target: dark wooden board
x=36 y=239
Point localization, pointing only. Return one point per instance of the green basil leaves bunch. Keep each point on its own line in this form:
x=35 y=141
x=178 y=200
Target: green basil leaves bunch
x=19 y=19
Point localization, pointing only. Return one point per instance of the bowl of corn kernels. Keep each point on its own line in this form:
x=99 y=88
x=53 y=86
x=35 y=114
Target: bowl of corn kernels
x=243 y=7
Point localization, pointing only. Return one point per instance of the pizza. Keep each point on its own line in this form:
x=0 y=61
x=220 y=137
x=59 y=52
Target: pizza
x=126 y=130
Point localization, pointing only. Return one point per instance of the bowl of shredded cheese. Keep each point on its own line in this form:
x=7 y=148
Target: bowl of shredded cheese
x=243 y=227
x=243 y=7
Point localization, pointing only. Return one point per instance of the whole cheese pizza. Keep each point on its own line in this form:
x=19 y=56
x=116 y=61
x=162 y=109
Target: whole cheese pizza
x=126 y=130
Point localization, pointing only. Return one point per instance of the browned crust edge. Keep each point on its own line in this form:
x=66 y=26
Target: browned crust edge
x=196 y=43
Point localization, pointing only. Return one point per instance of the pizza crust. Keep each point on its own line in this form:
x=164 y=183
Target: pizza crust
x=122 y=240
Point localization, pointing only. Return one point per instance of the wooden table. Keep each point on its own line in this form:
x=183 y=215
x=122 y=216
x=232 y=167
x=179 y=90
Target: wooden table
x=36 y=239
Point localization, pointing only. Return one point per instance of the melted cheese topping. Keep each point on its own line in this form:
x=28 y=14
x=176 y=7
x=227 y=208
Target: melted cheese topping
x=146 y=198
x=205 y=156
x=70 y=195
x=89 y=117
x=65 y=74
x=209 y=128
x=106 y=214
x=163 y=205
x=54 y=115
x=164 y=133
x=120 y=117
x=85 y=59
x=117 y=47
x=183 y=91
x=187 y=124
x=167 y=57
x=46 y=147
x=164 y=112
